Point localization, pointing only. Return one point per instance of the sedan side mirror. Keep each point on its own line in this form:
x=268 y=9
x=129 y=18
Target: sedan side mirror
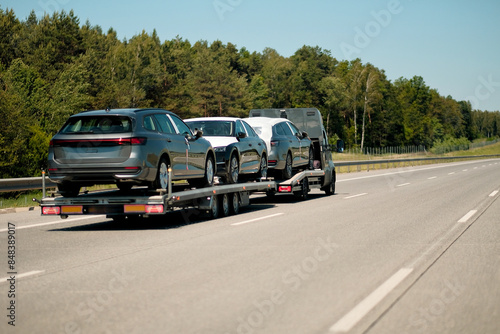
x=305 y=134
x=241 y=135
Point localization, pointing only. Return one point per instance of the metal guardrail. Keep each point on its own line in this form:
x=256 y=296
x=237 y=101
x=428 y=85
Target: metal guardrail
x=397 y=162
x=35 y=183
x=25 y=183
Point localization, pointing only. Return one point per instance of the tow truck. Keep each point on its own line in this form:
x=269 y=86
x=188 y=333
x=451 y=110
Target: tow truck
x=216 y=201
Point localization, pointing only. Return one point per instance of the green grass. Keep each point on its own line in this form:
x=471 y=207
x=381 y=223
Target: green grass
x=19 y=199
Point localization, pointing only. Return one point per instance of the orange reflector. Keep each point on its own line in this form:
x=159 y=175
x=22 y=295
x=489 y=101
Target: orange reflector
x=285 y=189
x=134 y=208
x=72 y=209
x=51 y=210
x=142 y=208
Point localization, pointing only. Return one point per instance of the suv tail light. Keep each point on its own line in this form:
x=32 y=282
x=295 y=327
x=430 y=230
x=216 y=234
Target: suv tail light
x=97 y=142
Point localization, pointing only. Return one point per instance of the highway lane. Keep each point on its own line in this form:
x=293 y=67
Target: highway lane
x=324 y=265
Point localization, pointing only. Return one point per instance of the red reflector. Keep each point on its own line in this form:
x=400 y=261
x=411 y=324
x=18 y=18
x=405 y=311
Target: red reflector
x=51 y=210
x=133 y=168
x=285 y=189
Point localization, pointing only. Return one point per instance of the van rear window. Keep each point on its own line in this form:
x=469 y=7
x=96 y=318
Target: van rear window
x=97 y=124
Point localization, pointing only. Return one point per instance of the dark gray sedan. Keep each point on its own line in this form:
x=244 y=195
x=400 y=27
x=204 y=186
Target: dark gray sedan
x=128 y=147
x=289 y=148
x=239 y=150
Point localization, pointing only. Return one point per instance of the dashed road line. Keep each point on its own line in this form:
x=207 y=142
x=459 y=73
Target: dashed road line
x=16 y=276
x=348 y=321
x=354 y=196
x=62 y=221
x=468 y=216
x=257 y=219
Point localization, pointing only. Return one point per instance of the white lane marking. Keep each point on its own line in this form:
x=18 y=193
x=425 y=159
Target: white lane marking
x=403 y=184
x=354 y=196
x=348 y=321
x=475 y=167
x=257 y=219
x=30 y=273
x=493 y=194
x=469 y=214
x=432 y=178
x=451 y=173
x=464 y=170
x=62 y=221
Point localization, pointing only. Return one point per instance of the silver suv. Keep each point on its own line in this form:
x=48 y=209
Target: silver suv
x=128 y=147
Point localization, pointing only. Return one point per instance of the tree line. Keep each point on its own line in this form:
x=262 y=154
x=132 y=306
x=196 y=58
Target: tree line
x=52 y=67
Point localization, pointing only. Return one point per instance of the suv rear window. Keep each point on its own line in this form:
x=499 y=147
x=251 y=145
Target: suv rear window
x=97 y=124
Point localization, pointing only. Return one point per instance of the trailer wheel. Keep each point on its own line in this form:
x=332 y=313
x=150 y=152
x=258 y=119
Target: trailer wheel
x=214 y=208
x=224 y=205
x=304 y=190
x=235 y=203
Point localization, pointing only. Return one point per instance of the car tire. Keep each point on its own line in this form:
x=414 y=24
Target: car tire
x=208 y=178
x=263 y=167
x=330 y=189
x=288 y=171
x=233 y=169
x=68 y=189
x=162 y=178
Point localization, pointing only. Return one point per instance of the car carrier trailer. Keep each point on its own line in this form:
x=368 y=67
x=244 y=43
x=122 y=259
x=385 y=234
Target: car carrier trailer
x=218 y=200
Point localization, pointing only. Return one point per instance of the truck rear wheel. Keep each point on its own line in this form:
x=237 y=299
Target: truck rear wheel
x=330 y=189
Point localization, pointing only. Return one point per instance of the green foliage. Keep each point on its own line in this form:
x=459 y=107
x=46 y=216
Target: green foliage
x=52 y=67
x=450 y=144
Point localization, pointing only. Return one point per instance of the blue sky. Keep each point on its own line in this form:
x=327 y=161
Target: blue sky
x=453 y=44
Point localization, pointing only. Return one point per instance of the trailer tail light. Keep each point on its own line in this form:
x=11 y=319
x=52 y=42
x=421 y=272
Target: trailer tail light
x=285 y=189
x=51 y=210
x=142 y=208
x=154 y=208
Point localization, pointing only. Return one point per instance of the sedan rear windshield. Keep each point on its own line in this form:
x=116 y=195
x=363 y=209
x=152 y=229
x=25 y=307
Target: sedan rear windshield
x=97 y=124
x=213 y=128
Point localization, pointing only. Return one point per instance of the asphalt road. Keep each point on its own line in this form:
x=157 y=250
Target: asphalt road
x=409 y=250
